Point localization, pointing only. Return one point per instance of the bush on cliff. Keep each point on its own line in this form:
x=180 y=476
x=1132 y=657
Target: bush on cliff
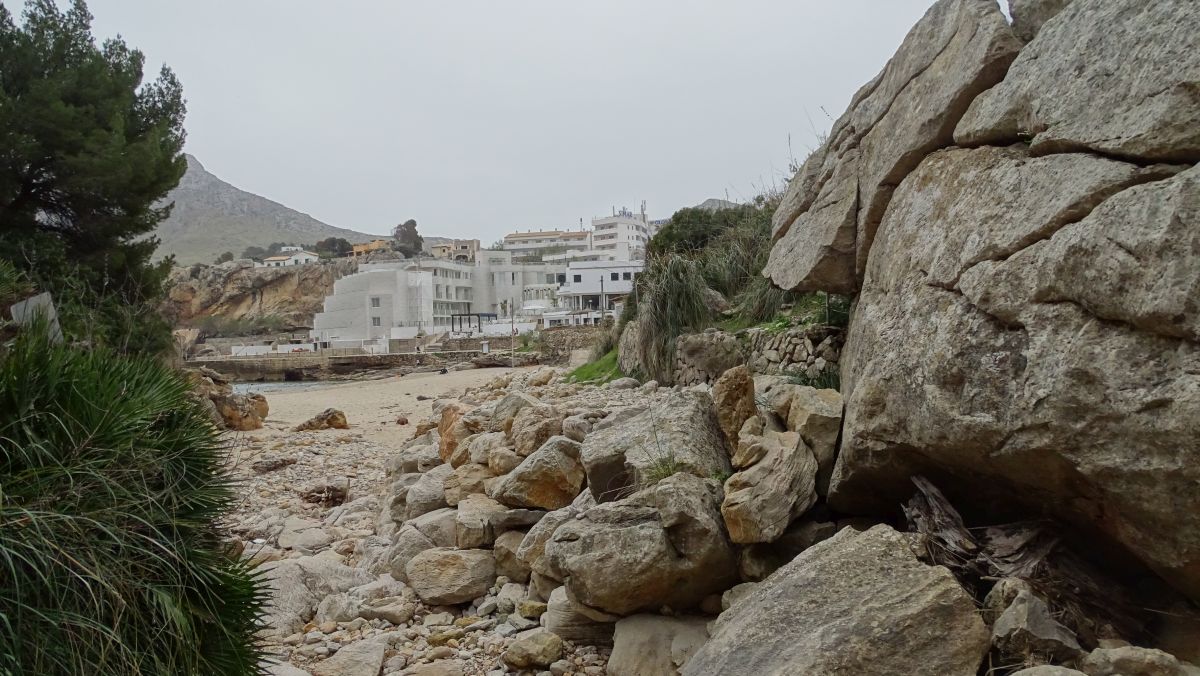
x=111 y=483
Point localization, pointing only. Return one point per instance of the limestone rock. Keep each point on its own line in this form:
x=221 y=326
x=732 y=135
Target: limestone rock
x=1048 y=670
x=1116 y=77
x=733 y=397
x=237 y=411
x=817 y=416
x=575 y=622
x=330 y=418
x=503 y=460
x=297 y=585
x=507 y=563
x=665 y=545
x=857 y=603
x=303 y=534
x=762 y=500
x=533 y=547
x=285 y=669
x=1027 y=628
x=624 y=384
x=1134 y=661
x=427 y=493
x=449 y=576
x=827 y=220
x=652 y=645
x=549 y=478
x=1029 y=15
x=533 y=648
x=679 y=434
x=508 y=407
x=363 y=658
x=1045 y=310
x=440 y=526
x=451 y=429
x=474 y=528
x=533 y=425
x=465 y=481
x=576 y=427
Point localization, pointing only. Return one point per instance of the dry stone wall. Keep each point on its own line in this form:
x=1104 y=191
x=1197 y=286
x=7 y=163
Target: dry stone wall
x=1021 y=223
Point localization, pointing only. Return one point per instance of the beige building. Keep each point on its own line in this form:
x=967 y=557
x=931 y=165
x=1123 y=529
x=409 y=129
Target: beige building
x=376 y=245
x=460 y=250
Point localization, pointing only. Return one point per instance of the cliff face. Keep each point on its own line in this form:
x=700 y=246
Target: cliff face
x=238 y=290
x=1020 y=223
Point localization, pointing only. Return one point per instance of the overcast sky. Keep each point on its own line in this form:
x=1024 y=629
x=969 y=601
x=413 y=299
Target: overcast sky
x=483 y=116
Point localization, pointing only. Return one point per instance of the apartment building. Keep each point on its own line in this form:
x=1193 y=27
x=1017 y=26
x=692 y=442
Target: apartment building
x=624 y=231
x=537 y=242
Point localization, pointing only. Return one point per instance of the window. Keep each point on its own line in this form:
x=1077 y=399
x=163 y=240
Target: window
x=626 y=276
x=549 y=278
x=376 y=321
x=562 y=279
x=578 y=278
x=614 y=277
x=374 y=301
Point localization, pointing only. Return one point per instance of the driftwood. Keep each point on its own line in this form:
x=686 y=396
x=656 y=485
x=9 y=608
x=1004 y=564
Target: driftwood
x=1089 y=602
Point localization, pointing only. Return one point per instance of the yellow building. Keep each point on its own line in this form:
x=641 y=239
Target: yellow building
x=377 y=245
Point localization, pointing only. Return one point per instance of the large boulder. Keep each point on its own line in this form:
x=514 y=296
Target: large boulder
x=858 y=603
x=1028 y=16
x=665 y=545
x=533 y=425
x=733 y=397
x=549 y=478
x=448 y=576
x=364 y=658
x=427 y=493
x=652 y=645
x=1044 y=308
x=761 y=500
x=678 y=434
x=1135 y=661
x=828 y=216
x=576 y=622
x=297 y=585
x=1115 y=77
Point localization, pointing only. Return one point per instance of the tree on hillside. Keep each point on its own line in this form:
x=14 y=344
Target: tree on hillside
x=333 y=247
x=225 y=257
x=408 y=241
x=87 y=153
x=255 y=253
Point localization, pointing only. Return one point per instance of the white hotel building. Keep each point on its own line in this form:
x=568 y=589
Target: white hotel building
x=399 y=299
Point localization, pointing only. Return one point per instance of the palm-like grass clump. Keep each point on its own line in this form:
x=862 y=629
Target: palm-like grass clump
x=111 y=482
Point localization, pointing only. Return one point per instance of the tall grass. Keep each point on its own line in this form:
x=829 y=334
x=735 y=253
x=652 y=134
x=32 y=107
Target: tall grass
x=671 y=305
x=111 y=482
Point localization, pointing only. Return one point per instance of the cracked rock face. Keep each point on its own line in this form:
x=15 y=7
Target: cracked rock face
x=827 y=219
x=1031 y=325
x=858 y=603
x=1118 y=77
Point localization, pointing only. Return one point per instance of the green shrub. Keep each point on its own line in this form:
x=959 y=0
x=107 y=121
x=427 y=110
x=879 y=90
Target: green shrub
x=111 y=483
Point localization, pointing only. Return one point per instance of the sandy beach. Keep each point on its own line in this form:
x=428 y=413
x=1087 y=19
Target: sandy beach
x=372 y=406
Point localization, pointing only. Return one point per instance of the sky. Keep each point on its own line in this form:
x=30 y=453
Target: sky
x=480 y=117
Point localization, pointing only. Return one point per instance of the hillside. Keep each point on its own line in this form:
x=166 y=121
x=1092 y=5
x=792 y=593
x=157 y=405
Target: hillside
x=212 y=216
